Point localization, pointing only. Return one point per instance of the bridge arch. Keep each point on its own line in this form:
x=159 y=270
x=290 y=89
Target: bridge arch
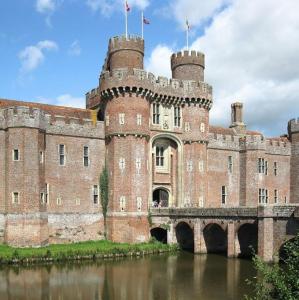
x=248 y=239
x=185 y=236
x=283 y=255
x=215 y=238
x=160 y=234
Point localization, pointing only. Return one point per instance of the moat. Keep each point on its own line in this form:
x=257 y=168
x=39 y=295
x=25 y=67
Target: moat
x=182 y=276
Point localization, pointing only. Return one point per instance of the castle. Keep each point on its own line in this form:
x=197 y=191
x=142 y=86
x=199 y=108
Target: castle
x=160 y=149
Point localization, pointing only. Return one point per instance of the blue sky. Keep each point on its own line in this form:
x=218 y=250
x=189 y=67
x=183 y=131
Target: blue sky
x=52 y=50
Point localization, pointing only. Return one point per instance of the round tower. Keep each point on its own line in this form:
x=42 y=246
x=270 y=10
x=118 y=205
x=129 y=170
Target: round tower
x=188 y=65
x=125 y=53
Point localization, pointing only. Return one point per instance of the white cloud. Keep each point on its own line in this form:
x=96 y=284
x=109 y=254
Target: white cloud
x=32 y=56
x=45 y=6
x=106 y=7
x=69 y=100
x=64 y=100
x=251 y=52
x=159 y=61
x=75 y=48
x=195 y=11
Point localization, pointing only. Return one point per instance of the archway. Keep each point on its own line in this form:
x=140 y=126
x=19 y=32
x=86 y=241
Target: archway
x=185 y=236
x=283 y=253
x=215 y=238
x=160 y=198
x=159 y=234
x=248 y=239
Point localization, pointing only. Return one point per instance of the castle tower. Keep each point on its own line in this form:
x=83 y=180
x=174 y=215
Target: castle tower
x=188 y=65
x=293 y=129
x=125 y=53
x=127 y=134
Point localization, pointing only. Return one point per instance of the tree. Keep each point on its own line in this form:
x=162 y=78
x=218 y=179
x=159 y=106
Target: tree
x=279 y=280
x=104 y=187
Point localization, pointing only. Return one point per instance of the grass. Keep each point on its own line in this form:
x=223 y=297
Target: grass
x=83 y=250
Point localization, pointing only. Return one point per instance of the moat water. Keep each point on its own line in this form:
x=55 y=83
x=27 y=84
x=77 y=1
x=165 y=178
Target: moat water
x=163 y=277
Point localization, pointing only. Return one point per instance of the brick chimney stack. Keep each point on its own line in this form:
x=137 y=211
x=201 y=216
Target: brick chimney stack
x=237 y=118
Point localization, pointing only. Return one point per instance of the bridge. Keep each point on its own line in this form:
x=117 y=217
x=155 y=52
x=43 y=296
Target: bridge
x=234 y=231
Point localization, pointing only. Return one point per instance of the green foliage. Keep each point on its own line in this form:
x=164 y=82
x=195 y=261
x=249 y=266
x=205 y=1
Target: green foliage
x=278 y=281
x=104 y=187
x=63 y=252
x=165 y=226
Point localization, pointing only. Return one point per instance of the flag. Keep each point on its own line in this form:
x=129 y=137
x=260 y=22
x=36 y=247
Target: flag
x=128 y=8
x=146 y=21
x=188 y=25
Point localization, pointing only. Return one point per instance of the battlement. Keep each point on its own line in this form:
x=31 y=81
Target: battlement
x=22 y=116
x=187 y=57
x=147 y=77
x=92 y=98
x=293 y=126
x=122 y=43
x=223 y=141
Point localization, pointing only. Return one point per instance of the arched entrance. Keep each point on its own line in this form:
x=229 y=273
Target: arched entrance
x=159 y=234
x=215 y=238
x=248 y=239
x=185 y=236
x=160 y=198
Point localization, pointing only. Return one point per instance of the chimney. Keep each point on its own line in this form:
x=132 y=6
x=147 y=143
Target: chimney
x=237 y=118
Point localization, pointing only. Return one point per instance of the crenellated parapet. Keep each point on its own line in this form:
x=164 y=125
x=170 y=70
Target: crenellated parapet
x=92 y=98
x=278 y=147
x=293 y=126
x=224 y=142
x=162 y=89
x=253 y=142
x=122 y=43
x=22 y=116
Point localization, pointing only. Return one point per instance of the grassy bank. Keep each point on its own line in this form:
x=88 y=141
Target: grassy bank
x=78 y=251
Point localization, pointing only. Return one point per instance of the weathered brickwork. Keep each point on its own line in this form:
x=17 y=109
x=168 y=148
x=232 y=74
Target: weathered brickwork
x=160 y=149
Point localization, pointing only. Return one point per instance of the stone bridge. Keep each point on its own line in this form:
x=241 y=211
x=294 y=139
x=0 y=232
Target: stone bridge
x=234 y=231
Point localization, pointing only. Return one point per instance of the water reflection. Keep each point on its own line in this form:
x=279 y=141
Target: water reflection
x=182 y=276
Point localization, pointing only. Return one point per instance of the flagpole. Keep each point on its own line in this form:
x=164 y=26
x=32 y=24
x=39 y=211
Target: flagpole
x=126 y=19
x=187 y=35
x=142 y=29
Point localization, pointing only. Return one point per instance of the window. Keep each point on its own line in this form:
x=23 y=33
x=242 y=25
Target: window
x=16 y=154
x=285 y=200
x=139 y=119
x=77 y=201
x=139 y=203
x=275 y=196
x=262 y=166
x=86 y=156
x=187 y=126
x=122 y=163
x=189 y=165
x=59 y=201
x=223 y=195
x=156 y=113
x=121 y=118
x=263 y=196
x=122 y=203
x=230 y=164
x=95 y=194
x=61 y=155
x=138 y=164
x=47 y=191
x=275 y=168
x=159 y=156
x=202 y=127
x=15 y=198
x=42 y=198
x=41 y=157
x=107 y=120
x=201 y=166
x=177 y=116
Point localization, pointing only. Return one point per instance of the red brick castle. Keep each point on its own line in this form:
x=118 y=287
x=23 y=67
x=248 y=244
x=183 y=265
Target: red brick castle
x=161 y=151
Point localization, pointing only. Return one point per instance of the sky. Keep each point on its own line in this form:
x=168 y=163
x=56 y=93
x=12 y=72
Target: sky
x=52 y=51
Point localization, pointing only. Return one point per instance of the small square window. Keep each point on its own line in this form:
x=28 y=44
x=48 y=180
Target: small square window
x=85 y=156
x=223 y=195
x=95 y=194
x=61 y=153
